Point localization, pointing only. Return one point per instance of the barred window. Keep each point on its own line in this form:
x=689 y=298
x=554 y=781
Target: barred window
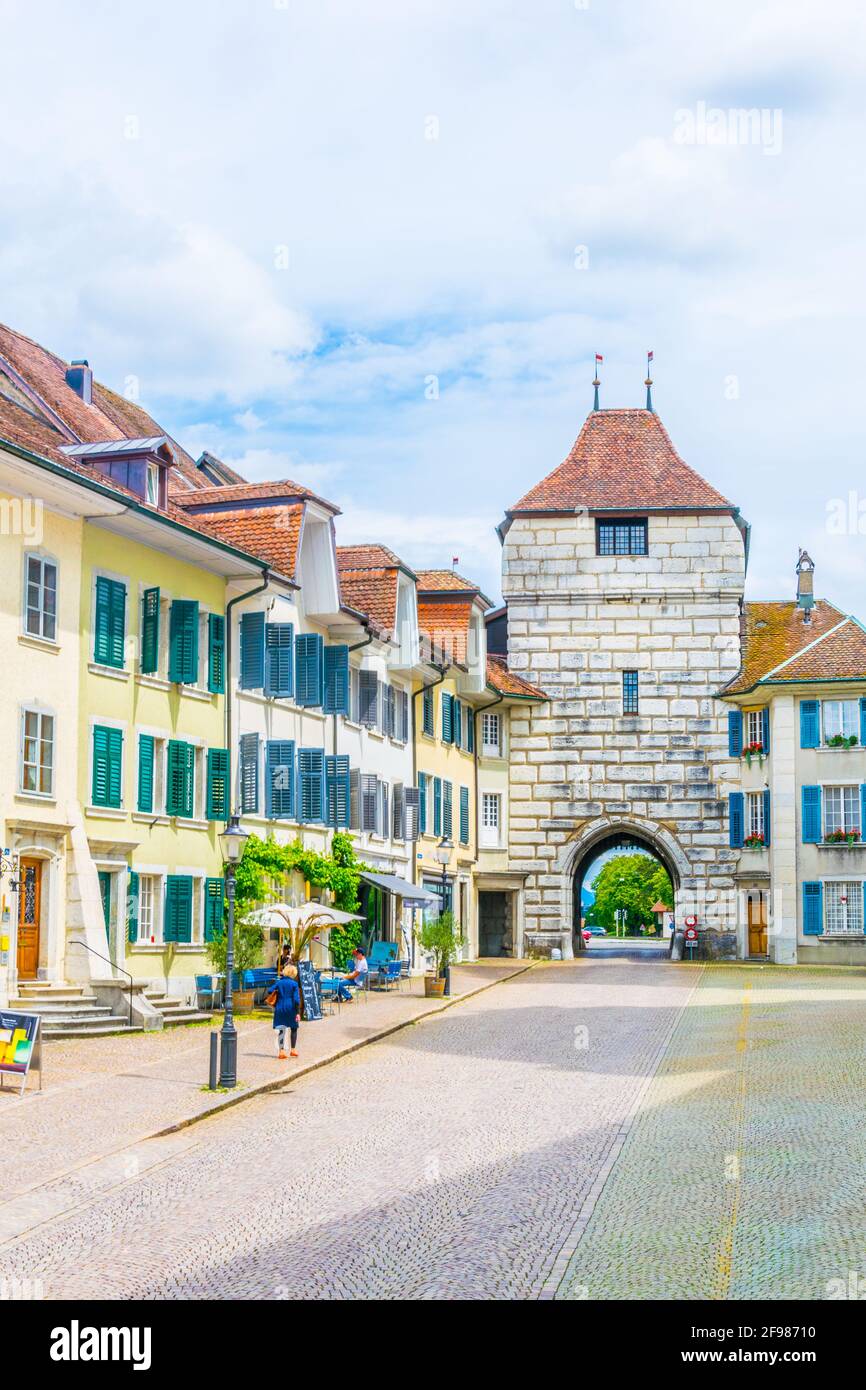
x=844 y=908
x=621 y=537
x=629 y=692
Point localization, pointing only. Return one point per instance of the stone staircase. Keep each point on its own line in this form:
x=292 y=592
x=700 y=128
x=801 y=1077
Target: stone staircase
x=173 y=1009
x=69 y=1011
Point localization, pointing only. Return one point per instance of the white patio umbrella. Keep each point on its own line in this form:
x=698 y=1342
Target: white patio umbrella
x=302 y=922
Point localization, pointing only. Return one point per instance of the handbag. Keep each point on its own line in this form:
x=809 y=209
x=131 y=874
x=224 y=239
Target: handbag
x=271 y=998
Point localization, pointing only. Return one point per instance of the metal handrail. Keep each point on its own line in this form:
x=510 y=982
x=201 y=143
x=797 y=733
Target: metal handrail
x=113 y=964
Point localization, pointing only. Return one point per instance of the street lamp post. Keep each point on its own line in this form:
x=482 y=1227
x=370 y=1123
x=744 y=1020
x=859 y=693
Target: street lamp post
x=443 y=857
x=232 y=841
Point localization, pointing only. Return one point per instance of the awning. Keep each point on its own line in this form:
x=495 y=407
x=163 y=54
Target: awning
x=409 y=892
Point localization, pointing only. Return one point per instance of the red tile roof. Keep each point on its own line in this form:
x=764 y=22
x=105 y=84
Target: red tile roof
x=447 y=581
x=365 y=557
x=508 y=682
x=622 y=459
x=283 y=489
x=778 y=646
x=271 y=534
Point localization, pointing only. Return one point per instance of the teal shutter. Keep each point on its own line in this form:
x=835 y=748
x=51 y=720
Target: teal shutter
x=145 y=774
x=735 y=733
x=337 y=680
x=813 y=909
x=863 y=822
x=217 y=784
x=216 y=653
x=863 y=728
x=811 y=815
x=183 y=641
x=107 y=766
x=736 y=820
x=179 y=778
x=309 y=647
x=457 y=723
x=248 y=768
x=422 y=803
x=464 y=815
x=214 y=900
x=447 y=721
x=178 y=909
x=470 y=729
x=447 y=820
x=437 y=806
x=150 y=632
x=765 y=727
x=428 y=717
x=252 y=644
x=279 y=659
x=311 y=784
x=337 y=783
x=767 y=818
x=132 y=906
x=280 y=779
x=810 y=724
x=109 y=622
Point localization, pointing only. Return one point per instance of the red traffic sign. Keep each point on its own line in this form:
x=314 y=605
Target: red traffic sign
x=691 y=921
x=691 y=933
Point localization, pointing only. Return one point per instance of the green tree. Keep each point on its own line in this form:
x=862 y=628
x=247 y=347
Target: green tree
x=632 y=881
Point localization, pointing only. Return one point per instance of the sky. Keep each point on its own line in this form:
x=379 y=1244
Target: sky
x=373 y=247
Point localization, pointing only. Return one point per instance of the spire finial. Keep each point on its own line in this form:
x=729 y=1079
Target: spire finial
x=595 y=381
x=649 y=383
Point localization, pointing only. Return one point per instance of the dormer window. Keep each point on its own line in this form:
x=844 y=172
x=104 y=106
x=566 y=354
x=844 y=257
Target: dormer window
x=152 y=484
x=140 y=465
x=621 y=537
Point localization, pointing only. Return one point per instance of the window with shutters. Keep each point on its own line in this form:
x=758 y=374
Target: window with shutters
x=336 y=664
x=755 y=813
x=149 y=917
x=337 y=790
x=248 y=773
x=109 y=621
x=843 y=909
x=150 y=624
x=311 y=785
x=280 y=779
x=214 y=904
x=36 y=757
x=437 y=806
x=621 y=537
x=754 y=730
x=447 y=820
x=629 y=692
x=279 y=659
x=145 y=800
x=423 y=781
x=464 y=815
x=180 y=778
x=369 y=795
x=428 y=718
x=178 y=910
x=457 y=723
x=217 y=795
x=252 y=651
x=447 y=721
x=491 y=813
x=841 y=809
x=40 y=597
x=309 y=654
x=183 y=635
x=368 y=698
x=216 y=653
x=841 y=718
x=107 y=780
x=491 y=735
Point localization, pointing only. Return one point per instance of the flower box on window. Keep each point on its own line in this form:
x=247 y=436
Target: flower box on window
x=842 y=741
x=754 y=841
x=842 y=837
x=754 y=750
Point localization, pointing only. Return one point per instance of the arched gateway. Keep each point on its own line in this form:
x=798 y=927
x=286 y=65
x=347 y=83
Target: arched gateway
x=623 y=575
x=609 y=834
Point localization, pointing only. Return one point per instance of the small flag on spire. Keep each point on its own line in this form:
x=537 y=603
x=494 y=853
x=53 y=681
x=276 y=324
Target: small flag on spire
x=455 y=561
x=649 y=382
x=598 y=357
x=595 y=381
x=650 y=356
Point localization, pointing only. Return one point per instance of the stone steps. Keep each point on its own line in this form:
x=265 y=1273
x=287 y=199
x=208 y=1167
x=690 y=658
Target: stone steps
x=173 y=1009
x=69 y=1011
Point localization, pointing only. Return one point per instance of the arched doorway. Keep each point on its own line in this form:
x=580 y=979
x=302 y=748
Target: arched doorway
x=604 y=841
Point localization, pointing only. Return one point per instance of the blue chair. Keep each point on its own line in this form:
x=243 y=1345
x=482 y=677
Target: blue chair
x=206 y=989
x=329 y=988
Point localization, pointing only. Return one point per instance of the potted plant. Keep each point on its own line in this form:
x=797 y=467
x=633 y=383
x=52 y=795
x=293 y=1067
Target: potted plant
x=842 y=837
x=249 y=940
x=442 y=939
x=754 y=841
x=754 y=750
x=842 y=741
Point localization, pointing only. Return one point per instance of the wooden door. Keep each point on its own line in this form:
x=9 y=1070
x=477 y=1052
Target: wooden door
x=757 y=924
x=29 y=910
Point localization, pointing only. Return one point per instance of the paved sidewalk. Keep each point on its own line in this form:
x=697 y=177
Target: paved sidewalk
x=135 y=1085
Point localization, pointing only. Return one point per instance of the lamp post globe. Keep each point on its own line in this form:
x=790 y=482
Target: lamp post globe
x=232 y=842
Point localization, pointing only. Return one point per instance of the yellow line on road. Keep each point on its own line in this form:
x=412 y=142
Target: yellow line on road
x=733 y=1160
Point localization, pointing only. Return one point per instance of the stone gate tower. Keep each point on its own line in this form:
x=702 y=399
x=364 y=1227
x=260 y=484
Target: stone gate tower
x=623 y=575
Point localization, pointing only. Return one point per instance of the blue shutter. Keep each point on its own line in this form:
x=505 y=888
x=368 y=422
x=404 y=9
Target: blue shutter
x=736 y=820
x=863 y=723
x=422 y=803
x=279 y=653
x=811 y=815
x=337 y=788
x=863 y=822
x=765 y=723
x=767 y=825
x=813 y=909
x=248 y=771
x=735 y=733
x=311 y=784
x=447 y=721
x=810 y=724
x=470 y=729
x=309 y=647
x=368 y=696
x=280 y=779
x=337 y=680
x=252 y=651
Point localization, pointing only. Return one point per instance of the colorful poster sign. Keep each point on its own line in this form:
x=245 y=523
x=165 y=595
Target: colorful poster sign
x=19 y=1035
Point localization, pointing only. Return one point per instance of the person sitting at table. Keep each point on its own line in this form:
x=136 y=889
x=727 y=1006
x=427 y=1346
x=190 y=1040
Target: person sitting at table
x=357 y=976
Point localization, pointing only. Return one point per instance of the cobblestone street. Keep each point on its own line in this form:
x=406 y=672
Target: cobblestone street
x=612 y=1128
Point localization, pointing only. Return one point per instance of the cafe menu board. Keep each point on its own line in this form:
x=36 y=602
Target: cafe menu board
x=311 y=994
x=19 y=1036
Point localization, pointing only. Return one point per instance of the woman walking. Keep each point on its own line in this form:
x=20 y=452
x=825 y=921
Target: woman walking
x=287 y=1009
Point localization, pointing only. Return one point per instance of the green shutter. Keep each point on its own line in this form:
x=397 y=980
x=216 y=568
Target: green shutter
x=216 y=653
x=437 y=806
x=145 y=774
x=447 y=720
x=178 y=909
x=457 y=723
x=107 y=766
x=427 y=718
x=150 y=632
x=183 y=642
x=447 y=822
x=214 y=900
x=179 y=778
x=109 y=622
x=217 y=784
x=422 y=803
x=132 y=906
x=464 y=815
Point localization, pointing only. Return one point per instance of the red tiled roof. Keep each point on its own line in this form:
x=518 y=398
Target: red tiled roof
x=271 y=534
x=366 y=557
x=622 y=459
x=243 y=492
x=508 y=682
x=774 y=633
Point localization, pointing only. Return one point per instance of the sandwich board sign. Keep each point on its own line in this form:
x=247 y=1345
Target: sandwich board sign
x=20 y=1047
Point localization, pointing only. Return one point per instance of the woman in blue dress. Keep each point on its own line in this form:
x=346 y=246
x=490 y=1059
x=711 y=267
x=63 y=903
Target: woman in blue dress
x=287 y=1009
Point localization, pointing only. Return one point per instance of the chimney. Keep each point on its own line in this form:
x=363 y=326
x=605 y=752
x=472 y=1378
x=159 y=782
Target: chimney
x=80 y=378
x=805 y=584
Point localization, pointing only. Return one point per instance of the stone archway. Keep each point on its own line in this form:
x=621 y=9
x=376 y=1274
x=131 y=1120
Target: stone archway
x=610 y=832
